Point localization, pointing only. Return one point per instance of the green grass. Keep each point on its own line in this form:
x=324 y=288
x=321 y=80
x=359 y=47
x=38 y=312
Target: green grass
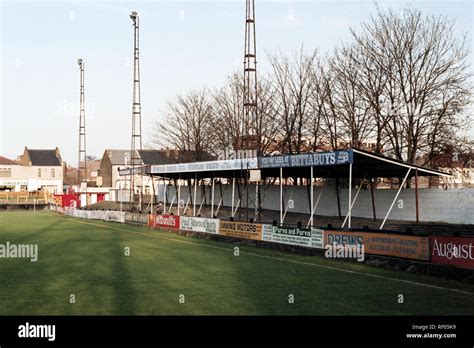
x=86 y=258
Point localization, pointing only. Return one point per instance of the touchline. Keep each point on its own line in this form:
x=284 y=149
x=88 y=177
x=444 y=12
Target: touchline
x=28 y=251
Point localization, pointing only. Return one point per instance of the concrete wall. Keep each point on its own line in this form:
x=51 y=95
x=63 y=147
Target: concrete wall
x=452 y=205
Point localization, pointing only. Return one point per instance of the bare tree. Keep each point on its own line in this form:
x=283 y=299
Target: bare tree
x=401 y=83
x=372 y=85
x=291 y=81
x=187 y=125
x=424 y=69
x=319 y=92
x=352 y=109
x=229 y=115
x=266 y=127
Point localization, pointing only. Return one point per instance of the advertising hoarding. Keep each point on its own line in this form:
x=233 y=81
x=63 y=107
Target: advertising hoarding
x=455 y=251
x=307 y=159
x=136 y=218
x=199 y=224
x=409 y=247
x=240 y=230
x=312 y=238
x=166 y=221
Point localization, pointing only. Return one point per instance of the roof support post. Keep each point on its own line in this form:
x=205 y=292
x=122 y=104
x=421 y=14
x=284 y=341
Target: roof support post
x=212 y=197
x=353 y=202
x=158 y=190
x=311 y=199
x=416 y=197
x=247 y=173
x=352 y=205
x=349 y=214
x=179 y=191
x=338 y=199
x=281 y=195
x=396 y=196
x=256 y=200
x=130 y=195
x=315 y=206
x=194 y=199
x=185 y=211
x=121 y=196
x=373 y=198
x=152 y=194
x=221 y=200
x=165 y=193
x=171 y=205
x=200 y=206
x=233 y=194
x=287 y=206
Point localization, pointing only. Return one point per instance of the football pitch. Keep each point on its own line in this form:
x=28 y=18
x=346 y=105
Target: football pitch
x=83 y=268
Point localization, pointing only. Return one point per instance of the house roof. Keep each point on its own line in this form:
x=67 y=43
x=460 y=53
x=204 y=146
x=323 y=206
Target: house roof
x=148 y=157
x=153 y=157
x=117 y=157
x=92 y=165
x=44 y=158
x=7 y=161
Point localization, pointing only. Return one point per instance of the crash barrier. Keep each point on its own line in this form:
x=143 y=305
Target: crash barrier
x=136 y=218
x=455 y=251
x=443 y=250
x=25 y=197
x=106 y=215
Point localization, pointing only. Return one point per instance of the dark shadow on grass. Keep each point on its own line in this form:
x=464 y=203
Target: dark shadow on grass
x=16 y=274
x=124 y=294
x=26 y=286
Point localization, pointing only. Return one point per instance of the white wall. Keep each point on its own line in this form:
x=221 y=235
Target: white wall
x=28 y=176
x=452 y=205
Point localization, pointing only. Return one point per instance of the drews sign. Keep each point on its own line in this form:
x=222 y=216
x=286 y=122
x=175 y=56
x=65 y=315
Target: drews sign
x=408 y=247
x=455 y=251
x=198 y=224
x=166 y=221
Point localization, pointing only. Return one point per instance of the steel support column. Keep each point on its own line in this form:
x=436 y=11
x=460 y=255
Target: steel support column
x=281 y=195
x=311 y=199
x=416 y=197
x=396 y=196
x=350 y=197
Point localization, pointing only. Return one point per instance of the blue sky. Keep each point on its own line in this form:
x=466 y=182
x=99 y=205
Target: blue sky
x=184 y=45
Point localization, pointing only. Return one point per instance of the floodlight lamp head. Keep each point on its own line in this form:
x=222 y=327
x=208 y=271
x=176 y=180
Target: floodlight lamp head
x=79 y=62
x=134 y=16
